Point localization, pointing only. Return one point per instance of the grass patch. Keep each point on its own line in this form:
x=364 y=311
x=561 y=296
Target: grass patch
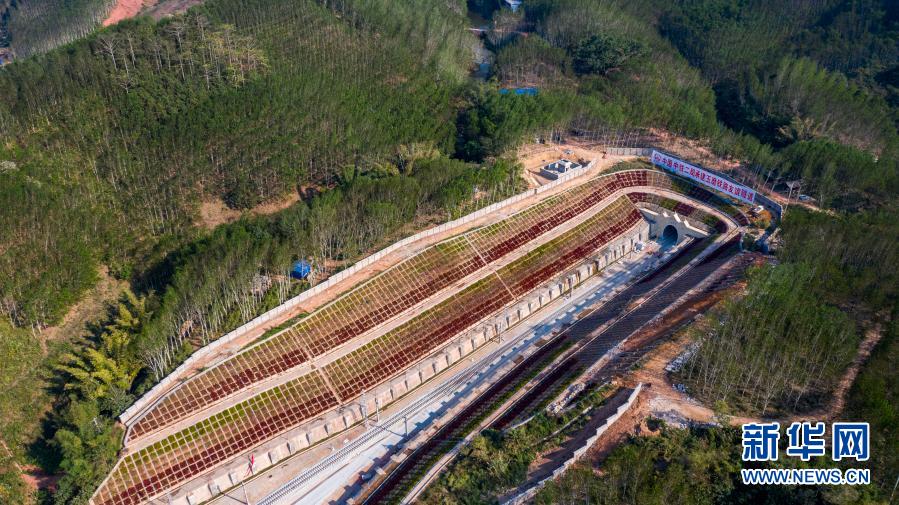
x=271 y=332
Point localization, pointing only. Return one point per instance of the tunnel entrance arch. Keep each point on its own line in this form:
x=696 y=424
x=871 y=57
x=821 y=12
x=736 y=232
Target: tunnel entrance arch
x=670 y=236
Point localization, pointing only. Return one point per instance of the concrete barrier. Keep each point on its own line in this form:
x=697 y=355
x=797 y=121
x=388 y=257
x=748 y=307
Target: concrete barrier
x=334 y=422
x=531 y=492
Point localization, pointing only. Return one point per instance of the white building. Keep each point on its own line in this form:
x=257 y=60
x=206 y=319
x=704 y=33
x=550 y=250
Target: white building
x=555 y=169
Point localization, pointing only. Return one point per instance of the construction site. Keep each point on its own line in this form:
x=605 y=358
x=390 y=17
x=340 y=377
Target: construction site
x=376 y=377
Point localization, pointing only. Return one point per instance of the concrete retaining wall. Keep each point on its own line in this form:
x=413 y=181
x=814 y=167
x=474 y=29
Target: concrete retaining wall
x=336 y=421
x=531 y=492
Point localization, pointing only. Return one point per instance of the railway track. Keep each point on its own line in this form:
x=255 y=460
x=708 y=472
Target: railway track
x=593 y=342
x=395 y=486
x=627 y=359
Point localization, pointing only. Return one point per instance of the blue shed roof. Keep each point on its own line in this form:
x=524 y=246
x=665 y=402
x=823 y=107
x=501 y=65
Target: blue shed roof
x=301 y=269
x=519 y=91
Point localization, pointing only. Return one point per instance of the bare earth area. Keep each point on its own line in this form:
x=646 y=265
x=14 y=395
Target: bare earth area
x=34 y=477
x=214 y=212
x=662 y=400
x=534 y=156
x=125 y=9
x=90 y=308
x=170 y=8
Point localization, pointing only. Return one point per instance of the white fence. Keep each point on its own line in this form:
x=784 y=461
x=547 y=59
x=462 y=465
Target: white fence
x=628 y=151
x=291 y=304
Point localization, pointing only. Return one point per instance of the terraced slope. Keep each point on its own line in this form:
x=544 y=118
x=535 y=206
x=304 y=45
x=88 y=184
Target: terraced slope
x=372 y=303
x=190 y=451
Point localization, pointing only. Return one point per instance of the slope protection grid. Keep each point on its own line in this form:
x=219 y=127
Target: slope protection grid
x=330 y=358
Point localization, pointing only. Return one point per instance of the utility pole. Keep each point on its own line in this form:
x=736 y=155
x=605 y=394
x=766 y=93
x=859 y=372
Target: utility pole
x=246 y=496
x=792 y=185
x=894 y=490
x=364 y=406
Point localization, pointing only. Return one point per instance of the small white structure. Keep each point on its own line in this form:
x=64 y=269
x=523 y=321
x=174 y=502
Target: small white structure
x=555 y=169
x=514 y=4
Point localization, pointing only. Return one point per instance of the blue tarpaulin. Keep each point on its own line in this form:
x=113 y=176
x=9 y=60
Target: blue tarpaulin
x=519 y=91
x=300 y=270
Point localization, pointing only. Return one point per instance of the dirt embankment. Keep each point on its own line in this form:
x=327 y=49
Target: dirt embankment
x=534 y=156
x=125 y=9
x=662 y=400
x=840 y=394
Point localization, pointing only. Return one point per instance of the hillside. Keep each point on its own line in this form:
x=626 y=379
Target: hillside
x=118 y=137
x=36 y=26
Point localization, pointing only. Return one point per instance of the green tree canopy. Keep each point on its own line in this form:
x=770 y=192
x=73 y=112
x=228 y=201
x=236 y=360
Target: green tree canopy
x=601 y=54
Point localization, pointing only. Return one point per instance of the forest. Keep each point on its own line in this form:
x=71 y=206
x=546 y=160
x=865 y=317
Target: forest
x=35 y=26
x=363 y=114
x=698 y=465
x=142 y=336
x=185 y=95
